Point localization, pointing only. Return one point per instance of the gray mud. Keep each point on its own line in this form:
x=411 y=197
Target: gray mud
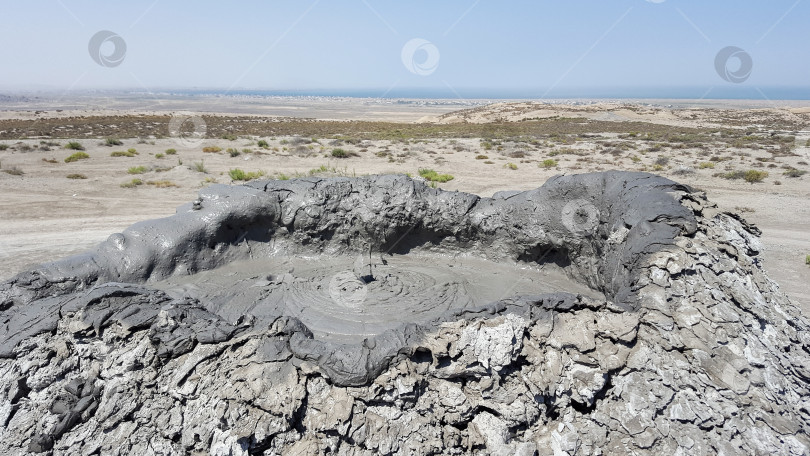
x=606 y=313
x=348 y=298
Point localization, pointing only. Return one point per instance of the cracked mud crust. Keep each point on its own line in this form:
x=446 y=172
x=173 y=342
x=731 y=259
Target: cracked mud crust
x=681 y=344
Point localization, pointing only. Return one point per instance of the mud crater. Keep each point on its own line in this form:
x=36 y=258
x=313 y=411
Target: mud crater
x=600 y=313
x=348 y=298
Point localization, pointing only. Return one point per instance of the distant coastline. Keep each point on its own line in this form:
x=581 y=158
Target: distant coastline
x=719 y=92
x=326 y=105
x=684 y=93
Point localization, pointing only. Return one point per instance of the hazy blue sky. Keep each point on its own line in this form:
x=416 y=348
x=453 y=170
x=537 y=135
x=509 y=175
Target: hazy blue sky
x=530 y=45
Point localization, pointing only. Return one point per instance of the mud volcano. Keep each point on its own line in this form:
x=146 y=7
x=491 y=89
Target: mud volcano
x=608 y=313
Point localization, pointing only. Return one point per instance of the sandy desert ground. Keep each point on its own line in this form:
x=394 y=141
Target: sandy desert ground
x=51 y=208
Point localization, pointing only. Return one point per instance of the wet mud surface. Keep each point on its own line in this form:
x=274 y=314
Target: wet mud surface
x=349 y=298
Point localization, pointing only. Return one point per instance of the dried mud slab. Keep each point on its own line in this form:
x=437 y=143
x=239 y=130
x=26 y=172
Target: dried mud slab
x=599 y=314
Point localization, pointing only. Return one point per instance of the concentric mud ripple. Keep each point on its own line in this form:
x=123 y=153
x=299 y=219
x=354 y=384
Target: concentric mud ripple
x=348 y=298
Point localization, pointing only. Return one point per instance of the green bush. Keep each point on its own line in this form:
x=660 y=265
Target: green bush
x=137 y=170
x=753 y=176
x=159 y=155
x=263 y=144
x=109 y=142
x=132 y=184
x=200 y=167
x=73 y=145
x=321 y=169
x=481 y=157
x=807 y=259
x=171 y=151
x=76 y=176
x=239 y=175
x=432 y=176
x=548 y=163
x=76 y=157
x=120 y=153
x=233 y=152
x=704 y=165
x=3 y=146
x=511 y=166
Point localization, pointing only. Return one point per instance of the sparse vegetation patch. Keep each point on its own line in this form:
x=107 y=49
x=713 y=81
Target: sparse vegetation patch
x=753 y=176
x=132 y=184
x=137 y=170
x=162 y=184
x=121 y=153
x=793 y=172
x=731 y=175
x=433 y=176
x=199 y=167
x=240 y=175
x=76 y=157
x=342 y=153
